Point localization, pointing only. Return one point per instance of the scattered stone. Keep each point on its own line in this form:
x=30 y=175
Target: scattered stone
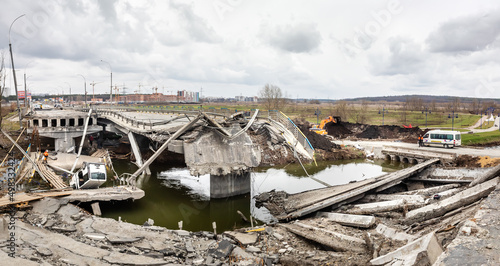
x=278 y=236
x=242 y=254
x=189 y=247
x=282 y=250
x=252 y=249
x=198 y=261
x=76 y=217
x=182 y=232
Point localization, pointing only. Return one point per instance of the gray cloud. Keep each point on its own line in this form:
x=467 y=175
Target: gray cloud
x=405 y=57
x=466 y=34
x=298 y=38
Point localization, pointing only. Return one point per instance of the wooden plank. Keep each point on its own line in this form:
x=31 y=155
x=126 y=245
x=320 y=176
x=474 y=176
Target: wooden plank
x=24 y=197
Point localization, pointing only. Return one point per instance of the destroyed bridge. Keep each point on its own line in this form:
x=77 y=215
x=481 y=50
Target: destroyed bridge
x=214 y=142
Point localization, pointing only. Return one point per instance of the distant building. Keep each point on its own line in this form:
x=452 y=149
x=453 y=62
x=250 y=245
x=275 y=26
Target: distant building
x=246 y=99
x=181 y=96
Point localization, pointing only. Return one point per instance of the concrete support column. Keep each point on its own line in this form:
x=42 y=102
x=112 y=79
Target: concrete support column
x=64 y=144
x=137 y=152
x=229 y=185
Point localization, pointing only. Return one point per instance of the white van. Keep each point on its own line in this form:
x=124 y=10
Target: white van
x=446 y=138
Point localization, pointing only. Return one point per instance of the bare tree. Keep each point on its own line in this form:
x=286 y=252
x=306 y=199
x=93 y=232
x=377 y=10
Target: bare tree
x=272 y=96
x=342 y=109
x=359 y=114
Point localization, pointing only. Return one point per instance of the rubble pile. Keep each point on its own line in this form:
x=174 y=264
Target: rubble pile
x=411 y=223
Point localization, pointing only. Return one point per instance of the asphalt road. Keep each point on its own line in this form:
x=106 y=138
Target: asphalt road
x=372 y=144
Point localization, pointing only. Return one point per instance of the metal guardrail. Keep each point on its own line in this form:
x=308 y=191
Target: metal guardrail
x=290 y=125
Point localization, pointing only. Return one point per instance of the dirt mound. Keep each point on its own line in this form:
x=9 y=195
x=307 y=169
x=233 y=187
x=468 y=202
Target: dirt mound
x=337 y=130
x=390 y=132
x=467 y=161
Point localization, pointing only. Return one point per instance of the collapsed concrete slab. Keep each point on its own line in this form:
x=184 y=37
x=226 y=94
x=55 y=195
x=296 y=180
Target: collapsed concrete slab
x=376 y=207
x=362 y=221
x=423 y=251
x=388 y=197
x=334 y=240
x=495 y=171
x=392 y=233
x=430 y=191
x=463 y=198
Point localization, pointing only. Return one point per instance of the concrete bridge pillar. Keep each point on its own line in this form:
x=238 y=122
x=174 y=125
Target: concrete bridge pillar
x=64 y=144
x=223 y=186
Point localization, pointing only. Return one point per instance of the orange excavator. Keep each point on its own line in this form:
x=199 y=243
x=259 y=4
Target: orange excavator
x=320 y=129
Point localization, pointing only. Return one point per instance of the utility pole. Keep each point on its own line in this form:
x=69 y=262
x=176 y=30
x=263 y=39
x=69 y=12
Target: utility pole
x=111 y=83
x=85 y=88
x=14 y=74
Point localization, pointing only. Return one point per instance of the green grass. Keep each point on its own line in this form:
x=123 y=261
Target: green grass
x=488 y=124
x=481 y=138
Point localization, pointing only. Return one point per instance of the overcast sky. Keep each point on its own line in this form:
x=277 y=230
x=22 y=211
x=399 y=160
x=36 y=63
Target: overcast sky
x=310 y=49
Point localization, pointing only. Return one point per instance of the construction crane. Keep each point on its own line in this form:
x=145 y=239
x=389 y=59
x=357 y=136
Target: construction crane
x=93 y=84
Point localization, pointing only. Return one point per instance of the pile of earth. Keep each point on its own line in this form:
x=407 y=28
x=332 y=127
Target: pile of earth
x=316 y=140
x=467 y=161
x=384 y=132
x=337 y=130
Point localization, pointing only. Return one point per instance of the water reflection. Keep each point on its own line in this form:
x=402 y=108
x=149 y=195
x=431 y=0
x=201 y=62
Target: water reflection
x=172 y=194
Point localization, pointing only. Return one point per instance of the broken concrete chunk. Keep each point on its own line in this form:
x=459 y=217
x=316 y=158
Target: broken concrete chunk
x=44 y=251
x=127 y=259
x=64 y=228
x=46 y=205
x=182 y=232
x=95 y=236
x=243 y=238
x=423 y=251
x=362 y=221
x=393 y=233
x=334 y=240
x=278 y=236
x=252 y=249
x=384 y=206
x=122 y=240
x=223 y=249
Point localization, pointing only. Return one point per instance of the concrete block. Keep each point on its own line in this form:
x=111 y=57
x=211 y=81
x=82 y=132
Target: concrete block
x=376 y=207
x=392 y=233
x=423 y=251
x=362 y=221
x=388 y=197
x=243 y=238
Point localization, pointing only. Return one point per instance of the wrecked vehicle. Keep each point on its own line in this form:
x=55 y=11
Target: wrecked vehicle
x=91 y=175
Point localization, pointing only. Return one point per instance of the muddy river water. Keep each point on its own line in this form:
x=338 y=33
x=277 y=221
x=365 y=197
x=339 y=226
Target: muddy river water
x=173 y=195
